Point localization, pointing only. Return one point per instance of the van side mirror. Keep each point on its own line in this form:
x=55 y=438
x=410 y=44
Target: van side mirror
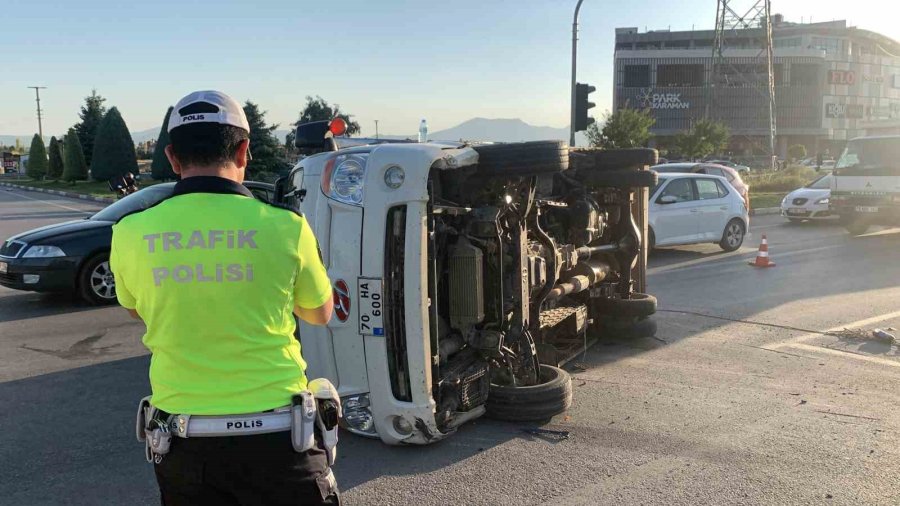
x=667 y=199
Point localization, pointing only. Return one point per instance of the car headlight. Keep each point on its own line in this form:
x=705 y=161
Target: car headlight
x=784 y=200
x=344 y=178
x=43 y=252
x=357 y=416
x=823 y=200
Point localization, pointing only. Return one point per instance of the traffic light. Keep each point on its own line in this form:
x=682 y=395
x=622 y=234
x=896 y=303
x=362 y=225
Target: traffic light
x=582 y=105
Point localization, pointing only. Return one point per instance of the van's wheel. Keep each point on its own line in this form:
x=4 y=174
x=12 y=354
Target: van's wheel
x=522 y=158
x=96 y=284
x=629 y=328
x=620 y=178
x=638 y=305
x=733 y=235
x=534 y=402
x=614 y=159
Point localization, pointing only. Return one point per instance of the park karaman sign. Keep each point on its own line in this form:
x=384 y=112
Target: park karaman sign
x=655 y=101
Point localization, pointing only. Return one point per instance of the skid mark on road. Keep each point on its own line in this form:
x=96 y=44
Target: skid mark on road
x=81 y=349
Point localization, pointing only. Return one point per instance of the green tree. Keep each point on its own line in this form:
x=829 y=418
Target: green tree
x=797 y=152
x=264 y=146
x=114 y=153
x=55 y=168
x=317 y=109
x=74 y=164
x=625 y=128
x=37 y=158
x=703 y=139
x=160 y=168
x=91 y=115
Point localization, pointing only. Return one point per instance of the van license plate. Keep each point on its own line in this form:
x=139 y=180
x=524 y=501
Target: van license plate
x=866 y=209
x=796 y=211
x=3 y=267
x=371 y=307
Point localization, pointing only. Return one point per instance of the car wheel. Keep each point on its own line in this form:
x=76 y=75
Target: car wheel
x=533 y=402
x=651 y=240
x=522 y=158
x=733 y=236
x=638 y=305
x=856 y=226
x=96 y=284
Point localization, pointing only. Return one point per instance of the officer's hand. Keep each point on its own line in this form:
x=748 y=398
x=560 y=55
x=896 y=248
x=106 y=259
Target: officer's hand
x=317 y=316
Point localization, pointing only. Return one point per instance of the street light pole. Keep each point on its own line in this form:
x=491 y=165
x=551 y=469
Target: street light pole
x=37 y=96
x=574 y=63
x=376 y=128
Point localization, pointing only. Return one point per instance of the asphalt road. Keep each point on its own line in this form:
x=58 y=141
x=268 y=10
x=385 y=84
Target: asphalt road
x=739 y=399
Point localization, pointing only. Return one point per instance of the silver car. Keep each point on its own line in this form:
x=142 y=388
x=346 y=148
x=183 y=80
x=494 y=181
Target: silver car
x=810 y=202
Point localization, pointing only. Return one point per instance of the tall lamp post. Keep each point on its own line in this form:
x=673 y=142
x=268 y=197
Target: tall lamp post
x=574 y=62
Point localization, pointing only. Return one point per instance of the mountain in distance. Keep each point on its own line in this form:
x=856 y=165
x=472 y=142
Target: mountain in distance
x=475 y=129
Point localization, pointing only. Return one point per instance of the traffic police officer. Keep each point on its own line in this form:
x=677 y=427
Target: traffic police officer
x=217 y=277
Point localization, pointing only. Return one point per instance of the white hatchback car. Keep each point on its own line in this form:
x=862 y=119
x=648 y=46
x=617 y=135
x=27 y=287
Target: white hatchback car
x=697 y=208
x=810 y=202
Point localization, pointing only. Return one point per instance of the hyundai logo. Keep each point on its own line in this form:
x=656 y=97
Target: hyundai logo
x=341 y=300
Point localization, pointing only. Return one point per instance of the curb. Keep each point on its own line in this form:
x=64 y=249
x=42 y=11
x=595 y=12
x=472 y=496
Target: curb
x=70 y=195
x=765 y=210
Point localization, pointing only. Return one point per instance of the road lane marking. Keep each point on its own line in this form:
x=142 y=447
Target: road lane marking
x=698 y=263
x=852 y=325
x=845 y=354
x=82 y=211
x=687 y=263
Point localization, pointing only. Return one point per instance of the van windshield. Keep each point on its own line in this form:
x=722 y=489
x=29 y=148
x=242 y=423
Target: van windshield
x=876 y=154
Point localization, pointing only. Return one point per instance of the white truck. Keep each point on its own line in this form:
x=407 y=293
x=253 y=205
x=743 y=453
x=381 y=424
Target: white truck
x=464 y=275
x=865 y=189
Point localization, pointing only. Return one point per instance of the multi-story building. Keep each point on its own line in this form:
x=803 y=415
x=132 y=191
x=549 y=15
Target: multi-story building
x=832 y=83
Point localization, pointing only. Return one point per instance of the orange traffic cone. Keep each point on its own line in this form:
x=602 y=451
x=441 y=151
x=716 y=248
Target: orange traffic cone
x=762 y=257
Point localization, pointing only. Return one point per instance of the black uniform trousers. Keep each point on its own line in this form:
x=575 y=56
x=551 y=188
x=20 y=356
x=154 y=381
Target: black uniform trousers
x=261 y=469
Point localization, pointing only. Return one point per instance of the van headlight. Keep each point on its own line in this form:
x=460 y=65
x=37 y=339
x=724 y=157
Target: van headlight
x=344 y=178
x=357 y=415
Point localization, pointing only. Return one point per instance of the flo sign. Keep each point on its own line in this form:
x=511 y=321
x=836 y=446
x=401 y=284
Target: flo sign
x=656 y=101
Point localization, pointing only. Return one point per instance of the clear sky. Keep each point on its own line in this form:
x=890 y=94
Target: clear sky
x=391 y=60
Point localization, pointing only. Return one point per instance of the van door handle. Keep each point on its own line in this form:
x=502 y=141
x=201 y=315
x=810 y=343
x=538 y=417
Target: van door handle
x=695 y=210
x=724 y=208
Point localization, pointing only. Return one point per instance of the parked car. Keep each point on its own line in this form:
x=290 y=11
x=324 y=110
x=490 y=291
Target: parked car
x=827 y=165
x=74 y=256
x=690 y=208
x=741 y=169
x=734 y=179
x=810 y=202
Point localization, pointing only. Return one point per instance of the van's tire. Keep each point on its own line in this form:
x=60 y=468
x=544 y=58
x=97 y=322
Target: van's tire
x=531 y=403
x=96 y=286
x=632 y=328
x=522 y=158
x=639 y=305
x=620 y=178
x=614 y=159
x=733 y=236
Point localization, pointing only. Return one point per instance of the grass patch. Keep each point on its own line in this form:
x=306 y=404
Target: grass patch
x=93 y=188
x=766 y=199
x=786 y=180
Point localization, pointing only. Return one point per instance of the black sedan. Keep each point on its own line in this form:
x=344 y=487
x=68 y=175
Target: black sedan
x=74 y=256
